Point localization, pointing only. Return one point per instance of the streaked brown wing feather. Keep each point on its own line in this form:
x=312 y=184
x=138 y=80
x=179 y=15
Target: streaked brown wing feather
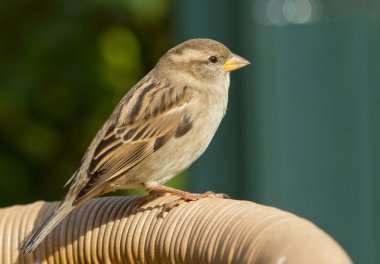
x=126 y=144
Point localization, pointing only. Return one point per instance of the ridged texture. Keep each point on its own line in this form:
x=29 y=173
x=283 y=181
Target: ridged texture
x=115 y=230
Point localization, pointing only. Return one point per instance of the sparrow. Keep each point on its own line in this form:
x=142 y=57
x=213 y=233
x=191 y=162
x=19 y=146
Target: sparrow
x=159 y=128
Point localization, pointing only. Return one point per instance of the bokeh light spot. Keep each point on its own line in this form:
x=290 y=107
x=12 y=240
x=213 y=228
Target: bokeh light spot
x=121 y=52
x=120 y=48
x=284 y=12
x=148 y=10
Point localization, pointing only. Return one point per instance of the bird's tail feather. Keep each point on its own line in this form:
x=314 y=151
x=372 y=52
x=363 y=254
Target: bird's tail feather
x=36 y=237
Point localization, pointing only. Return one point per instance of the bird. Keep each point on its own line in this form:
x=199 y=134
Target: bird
x=158 y=129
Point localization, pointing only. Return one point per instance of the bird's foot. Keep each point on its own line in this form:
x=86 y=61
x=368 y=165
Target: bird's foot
x=160 y=190
x=144 y=199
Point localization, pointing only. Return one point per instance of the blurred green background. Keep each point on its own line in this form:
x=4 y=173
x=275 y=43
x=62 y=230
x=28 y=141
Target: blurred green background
x=302 y=130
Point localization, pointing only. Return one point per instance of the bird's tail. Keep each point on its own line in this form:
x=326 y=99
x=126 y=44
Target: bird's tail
x=36 y=237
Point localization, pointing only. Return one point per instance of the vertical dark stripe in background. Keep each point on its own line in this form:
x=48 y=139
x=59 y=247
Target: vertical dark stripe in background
x=219 y=166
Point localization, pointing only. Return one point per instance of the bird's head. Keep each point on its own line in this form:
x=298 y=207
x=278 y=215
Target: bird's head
x=205 y=60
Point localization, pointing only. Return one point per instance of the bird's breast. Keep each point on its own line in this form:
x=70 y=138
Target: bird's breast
x=180 y=152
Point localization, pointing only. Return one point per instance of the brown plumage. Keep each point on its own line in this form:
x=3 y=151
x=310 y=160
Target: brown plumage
x=160 y=127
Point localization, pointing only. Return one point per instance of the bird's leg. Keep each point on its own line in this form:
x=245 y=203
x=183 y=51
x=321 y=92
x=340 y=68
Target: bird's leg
x=158 y=190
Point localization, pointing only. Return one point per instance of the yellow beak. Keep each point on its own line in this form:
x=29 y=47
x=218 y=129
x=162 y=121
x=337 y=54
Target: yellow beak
x=235 y=62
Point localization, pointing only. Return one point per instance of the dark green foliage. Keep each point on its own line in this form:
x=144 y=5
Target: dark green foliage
x=64 y=65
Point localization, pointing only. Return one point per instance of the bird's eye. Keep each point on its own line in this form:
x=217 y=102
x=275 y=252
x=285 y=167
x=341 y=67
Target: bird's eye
x=213 y=59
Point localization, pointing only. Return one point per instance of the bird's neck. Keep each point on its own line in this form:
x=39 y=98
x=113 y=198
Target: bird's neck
x=213 y=93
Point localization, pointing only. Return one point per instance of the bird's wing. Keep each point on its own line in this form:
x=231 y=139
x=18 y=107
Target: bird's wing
x=153 y=114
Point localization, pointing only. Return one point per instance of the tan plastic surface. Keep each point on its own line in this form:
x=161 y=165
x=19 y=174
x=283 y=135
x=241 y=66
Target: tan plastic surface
x=114 y=230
